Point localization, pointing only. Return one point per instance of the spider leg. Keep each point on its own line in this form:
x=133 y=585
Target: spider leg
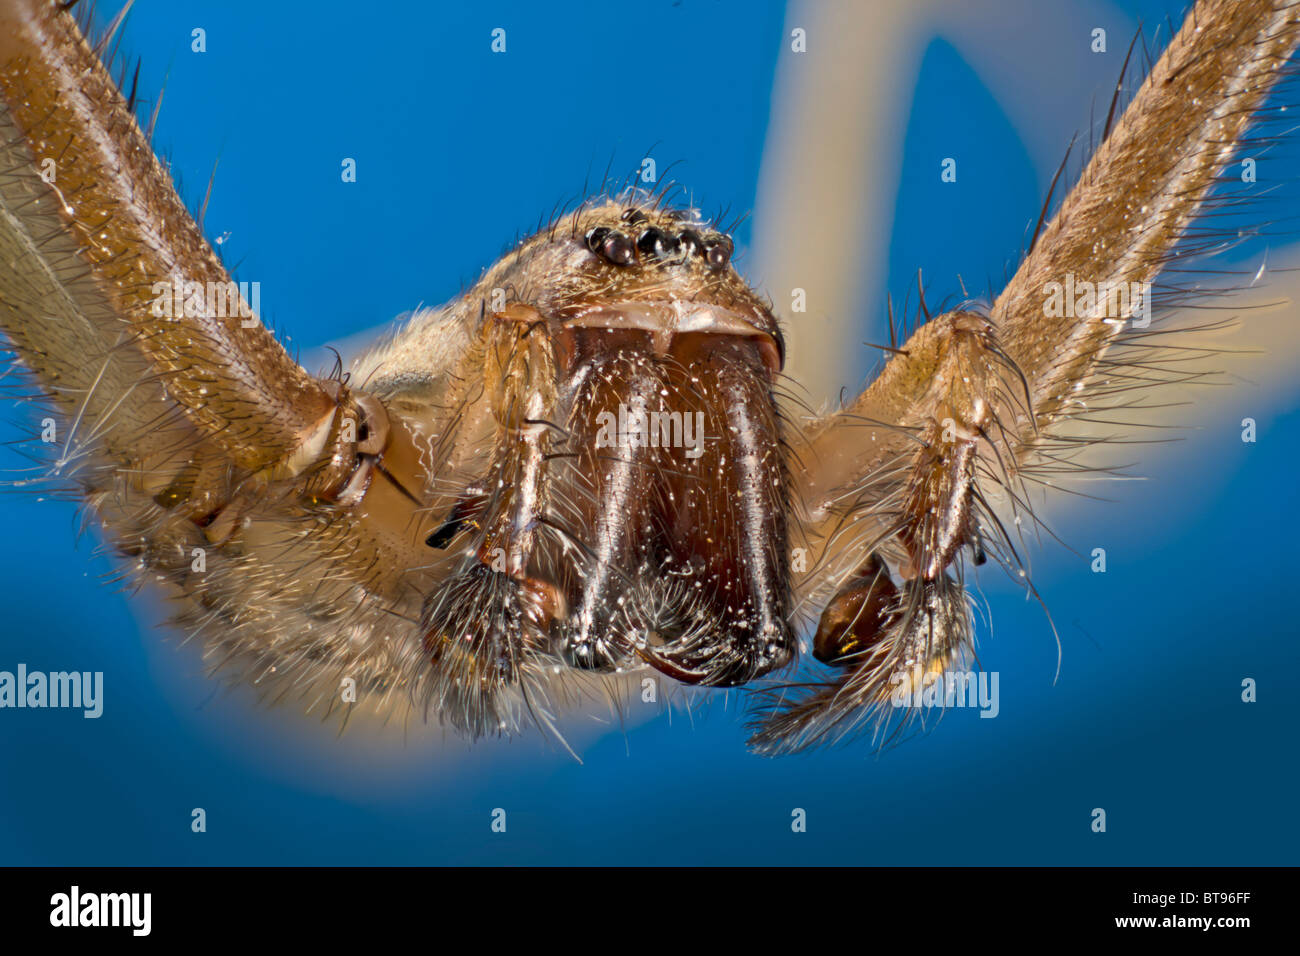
x=904 y=473
x=286 y=511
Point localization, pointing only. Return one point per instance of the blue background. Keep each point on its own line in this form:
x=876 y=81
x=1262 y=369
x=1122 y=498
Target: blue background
x=458 y=151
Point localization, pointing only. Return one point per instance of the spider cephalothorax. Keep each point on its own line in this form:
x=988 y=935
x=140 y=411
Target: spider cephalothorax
x=633 y=508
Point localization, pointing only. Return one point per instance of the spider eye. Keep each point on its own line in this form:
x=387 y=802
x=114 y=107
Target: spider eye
x=612 y=246
x=655 y=244
x=617 y=248
x=718 y=254
x=595 y=238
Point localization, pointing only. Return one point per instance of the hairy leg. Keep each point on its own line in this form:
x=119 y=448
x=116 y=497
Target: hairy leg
x=974 y=402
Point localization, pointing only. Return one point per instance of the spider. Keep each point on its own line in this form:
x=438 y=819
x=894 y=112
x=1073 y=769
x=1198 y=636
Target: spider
x=590 y=463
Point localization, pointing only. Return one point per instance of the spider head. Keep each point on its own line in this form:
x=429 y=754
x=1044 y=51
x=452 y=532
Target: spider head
x=637 y=494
